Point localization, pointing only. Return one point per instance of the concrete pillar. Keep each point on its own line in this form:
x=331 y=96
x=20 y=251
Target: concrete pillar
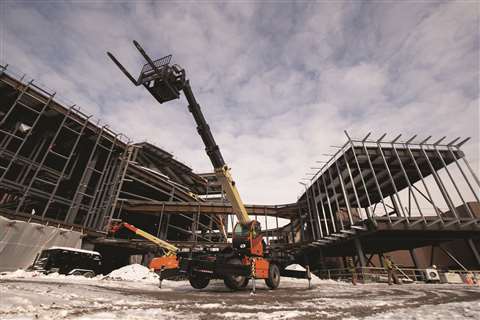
x=380 y=258
x=361 y=256
x=418 y=274
x=413 y=254
x=432 y=255
x=302 y=233
x=474 y=250
x=321 y=258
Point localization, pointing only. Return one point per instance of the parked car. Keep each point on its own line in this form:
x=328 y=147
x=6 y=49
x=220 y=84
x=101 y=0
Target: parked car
x=68 y=261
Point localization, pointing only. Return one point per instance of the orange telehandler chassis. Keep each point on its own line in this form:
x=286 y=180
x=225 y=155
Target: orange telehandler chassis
x=235 y=265
x=200 y=267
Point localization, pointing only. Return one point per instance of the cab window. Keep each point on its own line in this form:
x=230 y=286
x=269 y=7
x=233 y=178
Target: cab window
x=241 y=230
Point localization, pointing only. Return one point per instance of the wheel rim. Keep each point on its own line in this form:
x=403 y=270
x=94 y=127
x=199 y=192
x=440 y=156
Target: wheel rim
x=276 y=276
x=238 y=280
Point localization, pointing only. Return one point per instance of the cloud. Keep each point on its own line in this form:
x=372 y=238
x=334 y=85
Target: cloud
x=278 y=83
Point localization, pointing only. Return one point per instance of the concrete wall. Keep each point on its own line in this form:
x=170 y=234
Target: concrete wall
x=21 y=241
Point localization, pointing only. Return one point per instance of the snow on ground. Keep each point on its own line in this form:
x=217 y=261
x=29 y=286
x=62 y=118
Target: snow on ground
x=455 y=310
x=133 y=272
x=22 y=274
x=132 y=293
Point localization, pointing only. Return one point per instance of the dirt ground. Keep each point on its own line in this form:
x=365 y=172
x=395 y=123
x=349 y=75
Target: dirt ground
x=42 y=298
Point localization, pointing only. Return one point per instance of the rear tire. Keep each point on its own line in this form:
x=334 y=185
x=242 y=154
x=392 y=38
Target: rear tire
x=273 y=280
x=235 y=282
x=199 y=282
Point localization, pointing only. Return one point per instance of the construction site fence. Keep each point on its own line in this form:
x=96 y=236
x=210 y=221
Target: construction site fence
x=406 y=275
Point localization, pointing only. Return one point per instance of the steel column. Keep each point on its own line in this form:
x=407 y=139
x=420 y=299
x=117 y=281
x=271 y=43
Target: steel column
x=464 y=175
x=414 y=161
x=332 y=220
x=323 y=209
x=361 y=256
x=392 y=181
x=475 y=253
x=440 y=184
x=453 y=182
x=336 y=198
x=375 y=179
x=310 y=213
x=408 y=183
x=359 y=170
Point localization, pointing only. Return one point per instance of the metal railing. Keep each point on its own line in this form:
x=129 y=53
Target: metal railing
x=406 y=275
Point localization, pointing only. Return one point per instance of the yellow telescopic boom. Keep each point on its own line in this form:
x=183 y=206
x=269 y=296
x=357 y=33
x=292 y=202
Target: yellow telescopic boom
x=169 y=248
x=223 y=175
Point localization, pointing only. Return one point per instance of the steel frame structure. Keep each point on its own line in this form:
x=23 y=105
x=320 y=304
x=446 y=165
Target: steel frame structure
x=375 y=196
x=57 y=166
x=55 y=163
x=200 y=228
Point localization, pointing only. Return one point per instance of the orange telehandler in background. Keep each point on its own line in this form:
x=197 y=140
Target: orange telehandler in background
x=167 y=261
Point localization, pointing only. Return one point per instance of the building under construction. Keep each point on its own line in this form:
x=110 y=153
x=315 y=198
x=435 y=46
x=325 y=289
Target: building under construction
x=60 y=168
x=375 y=196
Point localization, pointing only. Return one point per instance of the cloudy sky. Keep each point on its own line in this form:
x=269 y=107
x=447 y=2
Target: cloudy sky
x=277 y=81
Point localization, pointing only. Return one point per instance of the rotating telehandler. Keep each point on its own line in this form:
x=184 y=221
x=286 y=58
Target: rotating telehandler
x=246 y=258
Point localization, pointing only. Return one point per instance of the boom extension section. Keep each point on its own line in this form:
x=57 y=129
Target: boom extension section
x=165 y=82
x=213 y=151
x=169 y=248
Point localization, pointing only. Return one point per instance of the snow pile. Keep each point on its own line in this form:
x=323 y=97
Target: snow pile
x=20 y=273
x=314 y=281
x=133 y=272
x=295 y=267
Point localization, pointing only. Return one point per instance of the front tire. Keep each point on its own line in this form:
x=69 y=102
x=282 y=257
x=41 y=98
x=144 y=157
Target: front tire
x=235 y=282
x=273 y=280
x=199 y=282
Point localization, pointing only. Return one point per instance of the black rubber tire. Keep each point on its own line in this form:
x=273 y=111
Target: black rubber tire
x=199 y=282
x=235 y=282
x=273 y=280
x=245 y=283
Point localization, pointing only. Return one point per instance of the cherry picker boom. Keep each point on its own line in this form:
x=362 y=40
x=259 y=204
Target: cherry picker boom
x=246 y=259
x=167 y=261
